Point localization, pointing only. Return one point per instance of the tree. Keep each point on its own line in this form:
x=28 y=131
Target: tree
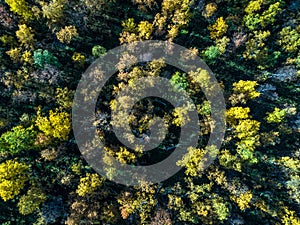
x=57 y=125
x=78 y=58
x=13 y=177
x=289 y=39
x=253 y=19
x=218 y=29
x=64 y=98
x=142 y=201
x=244 y=91
x=255 y=47
x=25 y=36
x=290 y=217
x=145 y=29
x=192 y=161
x=89 y=184
x=30 y=202
x=21 y=8
x=268 y=16
x=133 y=32
x=42 y=57
x=253 y=6
x=53 y=10
x=98 y=51
x=14 y=54
x=17 y=140
x=174 y=15
x=277 y=116
x=242 y=200
x=209 y=10
x=144 y=4
x=234 y=114
x=66 y=34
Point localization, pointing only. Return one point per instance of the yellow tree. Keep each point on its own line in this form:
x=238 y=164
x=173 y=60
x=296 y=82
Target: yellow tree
x=21 y=8
x=218 y=29
x=66 y=34
x=13 y=177
x=25 y=36
x=57 y=125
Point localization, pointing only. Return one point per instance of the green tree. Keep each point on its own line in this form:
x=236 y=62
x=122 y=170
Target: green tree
x=98 y=51
x=17 y=140
x=253 y=19
x=290 y=39
x=42 y=57
x=277 y=116
x=30 y=202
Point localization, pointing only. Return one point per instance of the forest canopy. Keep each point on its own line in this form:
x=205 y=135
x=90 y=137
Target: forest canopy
x=251 y=46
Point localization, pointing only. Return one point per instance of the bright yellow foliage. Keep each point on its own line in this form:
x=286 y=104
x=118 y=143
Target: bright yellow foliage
x=237 y=113
x=89 y=184
x=192 y=161
x=57 y=125
x=253 y=6
x=218 y=29
x=124 y=156
x=247 y=128
x=242 y=200
x=13 y=176
x=14 y=54
x=21 y=8
x=26 y=57
x=290 y=217
x=145 y=29
x=243 y=91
